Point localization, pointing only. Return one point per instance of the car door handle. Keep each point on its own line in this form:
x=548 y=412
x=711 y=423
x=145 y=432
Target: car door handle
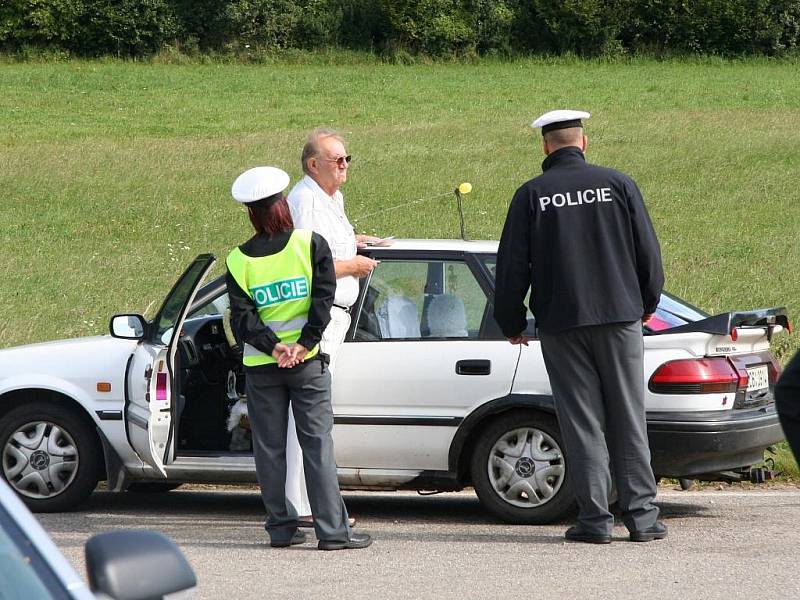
x=473 y=367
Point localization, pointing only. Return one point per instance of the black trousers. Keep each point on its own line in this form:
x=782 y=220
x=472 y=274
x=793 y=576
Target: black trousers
x=787 y=401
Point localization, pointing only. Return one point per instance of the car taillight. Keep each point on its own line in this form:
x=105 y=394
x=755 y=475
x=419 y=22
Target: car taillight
x=697 y=376
x=774 y=369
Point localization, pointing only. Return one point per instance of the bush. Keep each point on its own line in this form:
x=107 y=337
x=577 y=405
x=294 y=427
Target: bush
x=43 y=23
x=432 y=27
x=364 y=24
x=726 y=27
x=582 y=27
x=88 y=27
x=266 y=24
x=123 y=27
x=402 y=28
x=449 y=27
x=493 y=22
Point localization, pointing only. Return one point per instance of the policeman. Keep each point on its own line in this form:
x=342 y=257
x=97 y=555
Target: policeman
x=580 y=238
x=281 y=284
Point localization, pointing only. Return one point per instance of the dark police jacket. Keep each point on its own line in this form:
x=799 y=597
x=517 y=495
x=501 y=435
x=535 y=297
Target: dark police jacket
x=580 y=238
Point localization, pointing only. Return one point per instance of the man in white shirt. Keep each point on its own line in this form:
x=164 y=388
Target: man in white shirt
x=317 y=204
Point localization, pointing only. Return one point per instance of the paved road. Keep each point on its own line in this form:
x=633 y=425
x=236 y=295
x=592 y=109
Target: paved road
x=722 y=544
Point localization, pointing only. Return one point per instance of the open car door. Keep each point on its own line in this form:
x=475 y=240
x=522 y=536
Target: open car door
x=150 y=399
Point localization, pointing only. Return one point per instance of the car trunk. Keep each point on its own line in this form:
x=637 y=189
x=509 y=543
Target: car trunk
x=731 y=351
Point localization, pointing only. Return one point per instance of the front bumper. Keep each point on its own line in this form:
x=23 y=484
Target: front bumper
x=694 y=445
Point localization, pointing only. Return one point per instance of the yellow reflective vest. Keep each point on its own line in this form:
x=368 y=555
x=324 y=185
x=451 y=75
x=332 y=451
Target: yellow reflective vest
x=280 y=287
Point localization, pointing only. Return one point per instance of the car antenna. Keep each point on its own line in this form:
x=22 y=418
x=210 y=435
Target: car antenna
x=463 y=189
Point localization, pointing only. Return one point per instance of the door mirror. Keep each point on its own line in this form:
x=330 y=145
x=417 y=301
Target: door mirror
x=136 y=565
x=128 y=327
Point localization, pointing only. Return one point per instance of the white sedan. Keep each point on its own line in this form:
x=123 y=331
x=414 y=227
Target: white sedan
x=427 y=395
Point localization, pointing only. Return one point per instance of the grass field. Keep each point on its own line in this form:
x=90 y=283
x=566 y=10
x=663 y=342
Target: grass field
x=114 y=175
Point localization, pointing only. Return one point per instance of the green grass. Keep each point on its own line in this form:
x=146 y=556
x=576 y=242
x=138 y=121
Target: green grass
x=785 y=464
x=114 y=175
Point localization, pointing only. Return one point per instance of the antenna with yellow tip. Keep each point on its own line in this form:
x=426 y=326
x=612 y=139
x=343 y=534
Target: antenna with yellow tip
x=463 y=188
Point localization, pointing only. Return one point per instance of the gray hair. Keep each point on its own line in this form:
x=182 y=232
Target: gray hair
x=311 y=147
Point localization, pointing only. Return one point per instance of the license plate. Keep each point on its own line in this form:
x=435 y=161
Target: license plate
x=758 y=378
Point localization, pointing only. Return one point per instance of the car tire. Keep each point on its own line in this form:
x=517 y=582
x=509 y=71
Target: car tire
x=519 y=470
x=153 y=487
x=50 y=455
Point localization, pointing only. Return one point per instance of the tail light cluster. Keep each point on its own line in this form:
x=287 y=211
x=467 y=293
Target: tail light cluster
x=712 y=375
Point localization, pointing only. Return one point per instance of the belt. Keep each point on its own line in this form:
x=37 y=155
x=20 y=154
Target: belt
x=344 y=308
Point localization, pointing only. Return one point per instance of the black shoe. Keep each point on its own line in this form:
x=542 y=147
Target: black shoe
x=298 y=538
x=579 y=534
x=357 y=540
x=656 y=532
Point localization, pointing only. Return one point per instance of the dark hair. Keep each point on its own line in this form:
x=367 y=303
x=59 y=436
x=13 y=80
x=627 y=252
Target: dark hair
x=269 y=215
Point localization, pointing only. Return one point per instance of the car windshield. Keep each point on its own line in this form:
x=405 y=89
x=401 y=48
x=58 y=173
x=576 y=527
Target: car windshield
x=23 y=573
x=671 y=311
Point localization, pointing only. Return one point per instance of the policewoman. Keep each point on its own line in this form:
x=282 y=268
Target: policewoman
x=281 y=284
x=579 y=237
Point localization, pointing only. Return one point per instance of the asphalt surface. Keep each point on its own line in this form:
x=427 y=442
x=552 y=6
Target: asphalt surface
x=730 y=543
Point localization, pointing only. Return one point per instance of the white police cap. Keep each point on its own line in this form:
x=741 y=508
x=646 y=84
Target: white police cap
x=560 y=119
x=259 y=183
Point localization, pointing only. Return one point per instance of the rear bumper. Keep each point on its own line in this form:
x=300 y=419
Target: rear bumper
x=697 y=444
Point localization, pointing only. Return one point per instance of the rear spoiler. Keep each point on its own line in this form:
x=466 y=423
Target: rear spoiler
x=726 y=323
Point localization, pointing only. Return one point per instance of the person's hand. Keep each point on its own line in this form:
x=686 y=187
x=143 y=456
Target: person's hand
x=363 y=265
x=364 y=239
x=646 y=317
x=298 y=353
x=518 y=339
x=282 y=354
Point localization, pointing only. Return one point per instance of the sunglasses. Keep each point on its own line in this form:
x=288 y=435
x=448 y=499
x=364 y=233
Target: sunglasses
x=340 y=160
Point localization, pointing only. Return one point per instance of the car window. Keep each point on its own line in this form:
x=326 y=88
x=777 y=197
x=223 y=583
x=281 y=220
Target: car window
x=421 y=299
x=23 y=573
x=490 y=262
x=215 y=306
x=177 y=299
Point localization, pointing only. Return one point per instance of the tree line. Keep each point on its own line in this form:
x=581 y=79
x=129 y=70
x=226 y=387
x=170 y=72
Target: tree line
x=402 y=28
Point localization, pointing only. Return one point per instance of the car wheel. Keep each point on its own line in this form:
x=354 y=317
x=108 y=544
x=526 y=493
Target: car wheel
x=153 y=487
x=50 y=455
x=519 y=470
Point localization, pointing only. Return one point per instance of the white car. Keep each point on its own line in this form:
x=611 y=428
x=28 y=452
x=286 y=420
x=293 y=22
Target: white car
x=427 y=394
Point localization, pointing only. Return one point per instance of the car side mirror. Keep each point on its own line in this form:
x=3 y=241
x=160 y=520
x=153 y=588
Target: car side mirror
x=127 y=327
x=136 y=565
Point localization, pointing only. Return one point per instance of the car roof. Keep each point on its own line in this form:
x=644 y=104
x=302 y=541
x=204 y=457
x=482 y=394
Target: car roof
x=473 y=246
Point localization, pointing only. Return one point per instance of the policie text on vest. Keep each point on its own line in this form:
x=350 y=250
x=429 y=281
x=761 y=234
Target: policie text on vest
x=276 y=292
x=581 y=197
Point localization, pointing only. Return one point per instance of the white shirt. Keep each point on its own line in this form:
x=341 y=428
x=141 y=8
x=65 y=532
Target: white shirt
x=313 y=209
